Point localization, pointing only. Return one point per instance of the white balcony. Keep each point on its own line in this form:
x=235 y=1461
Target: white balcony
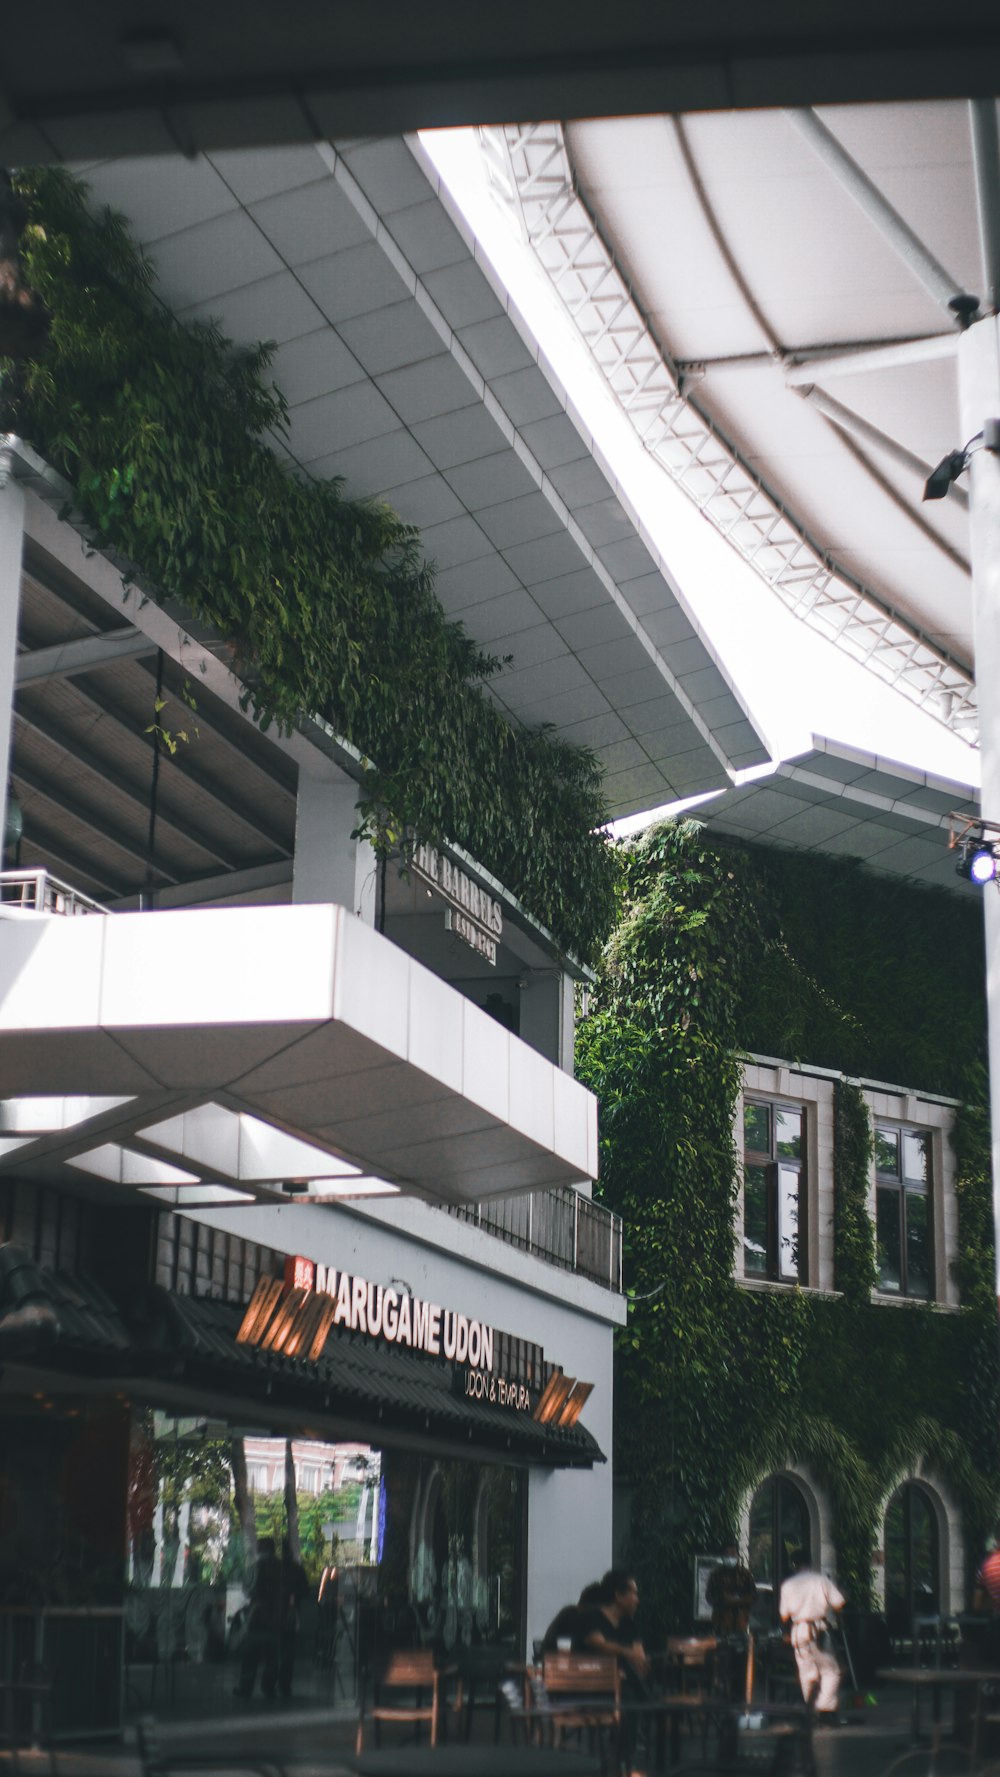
x=212 y=1037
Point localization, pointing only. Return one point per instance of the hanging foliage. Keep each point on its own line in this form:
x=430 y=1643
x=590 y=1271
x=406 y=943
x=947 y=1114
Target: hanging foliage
x=722 y=950
x=167 y=434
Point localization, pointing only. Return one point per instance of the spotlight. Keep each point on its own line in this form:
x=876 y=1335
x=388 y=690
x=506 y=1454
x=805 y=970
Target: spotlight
x=982 y=865
x=976 y=844
x=940 y=479
x=977 y=863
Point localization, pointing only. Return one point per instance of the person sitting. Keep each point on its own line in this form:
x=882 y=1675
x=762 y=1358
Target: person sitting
x=610 y=1627
x=570 y=1624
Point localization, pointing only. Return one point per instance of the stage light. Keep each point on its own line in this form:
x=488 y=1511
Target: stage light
x=982 y=864
x=977 y=862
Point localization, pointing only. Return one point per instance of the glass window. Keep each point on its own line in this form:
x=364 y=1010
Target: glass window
x=887 y=1151
x=774 y=1192
x=903 y=1219
x=757 y=1127
x=779 y=1533
x=912 y=1559
x=755 y=1220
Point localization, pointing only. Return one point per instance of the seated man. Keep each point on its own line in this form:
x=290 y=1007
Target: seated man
x=569 y=1624
x=610 y=1628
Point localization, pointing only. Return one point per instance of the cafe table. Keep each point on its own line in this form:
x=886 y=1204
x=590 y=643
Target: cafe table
x=935 y=1679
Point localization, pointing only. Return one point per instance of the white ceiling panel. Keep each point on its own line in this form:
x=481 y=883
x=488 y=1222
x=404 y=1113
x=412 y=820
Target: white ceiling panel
x=360 y=272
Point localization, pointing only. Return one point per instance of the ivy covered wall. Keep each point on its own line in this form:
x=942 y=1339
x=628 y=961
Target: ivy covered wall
x=722 y=950
x=167 y=434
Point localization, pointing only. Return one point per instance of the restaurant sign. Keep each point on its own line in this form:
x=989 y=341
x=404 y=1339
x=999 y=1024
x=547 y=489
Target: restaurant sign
x=293 y=1316
x=473 y=915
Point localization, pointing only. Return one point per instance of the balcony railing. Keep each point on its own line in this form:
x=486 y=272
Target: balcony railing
x=38 y=891
x=560 y=1225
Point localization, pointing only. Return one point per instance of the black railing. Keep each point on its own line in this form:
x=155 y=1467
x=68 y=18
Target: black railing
x=560 y=1225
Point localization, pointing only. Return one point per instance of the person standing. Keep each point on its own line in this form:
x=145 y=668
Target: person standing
x=730 y=1595
x=986 y=1598
x=294 y=1588
x=808 y=1601
x=260 y=1647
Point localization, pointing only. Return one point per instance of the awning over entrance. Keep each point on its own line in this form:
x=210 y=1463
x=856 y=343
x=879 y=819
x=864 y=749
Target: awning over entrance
x=187 y=1346
x=223 y=1056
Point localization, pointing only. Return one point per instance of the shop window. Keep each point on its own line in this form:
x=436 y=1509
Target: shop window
x=912 y=1559
x=779 y=1532
x=774 y=1192
x=903 y=1205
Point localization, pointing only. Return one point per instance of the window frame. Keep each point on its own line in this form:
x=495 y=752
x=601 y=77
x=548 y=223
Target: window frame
x=904 y=1190
x=775 y=1165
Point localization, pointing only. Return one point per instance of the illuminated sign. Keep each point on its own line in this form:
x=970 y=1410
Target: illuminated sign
x=293 y=1315
x=473 y=915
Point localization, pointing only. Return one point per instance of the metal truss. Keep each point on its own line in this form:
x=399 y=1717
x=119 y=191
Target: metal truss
x=531 y=172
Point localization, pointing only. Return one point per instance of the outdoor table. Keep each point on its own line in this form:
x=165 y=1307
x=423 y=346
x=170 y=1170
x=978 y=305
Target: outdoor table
x=935 y=1679
x=484 y=1761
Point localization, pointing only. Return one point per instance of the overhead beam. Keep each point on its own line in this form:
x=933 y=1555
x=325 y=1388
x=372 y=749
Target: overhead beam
x=181 y=763
x=859 y=427
x=193 y=889
x=803 y=366
x=81 y=655
x=915 y=254
x=986 y=165
x=99 y=768
x=105 y=830
x=79 y=870
x=70 y=545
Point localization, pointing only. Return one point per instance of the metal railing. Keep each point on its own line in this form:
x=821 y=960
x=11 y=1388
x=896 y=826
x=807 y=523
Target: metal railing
x=38 y=891
x=560 y=1225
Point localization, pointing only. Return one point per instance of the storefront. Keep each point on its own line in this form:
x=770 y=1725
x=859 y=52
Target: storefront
x=160 y=1417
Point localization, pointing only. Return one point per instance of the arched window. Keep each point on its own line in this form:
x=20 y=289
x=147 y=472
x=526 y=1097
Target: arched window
x=912 y=1558
x=780 y=1529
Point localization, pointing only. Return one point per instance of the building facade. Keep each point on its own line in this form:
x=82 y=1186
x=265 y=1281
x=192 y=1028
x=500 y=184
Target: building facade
x=317 y=1056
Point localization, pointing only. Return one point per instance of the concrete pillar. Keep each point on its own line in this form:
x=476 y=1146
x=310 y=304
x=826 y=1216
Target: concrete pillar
x=546 y=1017
x=11 y=545
x=979 y=400
x=329 y=865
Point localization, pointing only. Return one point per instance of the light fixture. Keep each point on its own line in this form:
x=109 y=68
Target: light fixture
x=957 y=461
x=977 y=843
x=976 y=863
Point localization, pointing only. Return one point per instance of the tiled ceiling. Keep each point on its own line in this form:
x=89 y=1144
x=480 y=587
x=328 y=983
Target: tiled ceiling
x=409 y=375
x=850 y=804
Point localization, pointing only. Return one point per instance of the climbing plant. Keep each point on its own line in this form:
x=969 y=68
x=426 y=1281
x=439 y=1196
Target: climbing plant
x=719 y=951
x=171 y=439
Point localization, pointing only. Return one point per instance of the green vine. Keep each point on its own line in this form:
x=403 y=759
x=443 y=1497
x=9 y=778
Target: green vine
x=166 y=434
x=853 y=1234
x=723 y=950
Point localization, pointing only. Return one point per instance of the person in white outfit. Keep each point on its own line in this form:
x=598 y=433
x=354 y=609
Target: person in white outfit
x=808 y=1601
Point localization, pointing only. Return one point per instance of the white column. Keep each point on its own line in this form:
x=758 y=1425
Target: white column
x=546 y=1017
x=979 y=400
x=11 y=543
x=329 y=865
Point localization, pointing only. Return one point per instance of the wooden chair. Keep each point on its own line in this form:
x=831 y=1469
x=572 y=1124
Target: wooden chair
x=481 y=1674
x=584 y=1691
x=411 y=1671
x=690 y=1667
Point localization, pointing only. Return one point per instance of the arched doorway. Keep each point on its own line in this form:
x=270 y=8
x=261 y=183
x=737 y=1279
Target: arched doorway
x=780 y=1528
x=912 y=1558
